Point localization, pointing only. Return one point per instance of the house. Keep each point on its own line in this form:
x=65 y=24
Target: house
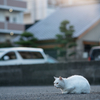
x=86 y=22
x=11 y=19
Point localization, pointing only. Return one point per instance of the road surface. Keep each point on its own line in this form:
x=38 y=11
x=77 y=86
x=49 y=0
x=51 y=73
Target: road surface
x=44 y=93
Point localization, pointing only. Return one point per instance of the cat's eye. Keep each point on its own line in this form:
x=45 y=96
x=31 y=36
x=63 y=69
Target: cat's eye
x=56 y=83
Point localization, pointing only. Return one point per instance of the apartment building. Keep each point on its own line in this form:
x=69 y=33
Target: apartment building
x=36 y=10
x=11 y=19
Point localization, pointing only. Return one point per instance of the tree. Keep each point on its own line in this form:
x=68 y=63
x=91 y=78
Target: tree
x=65 y=39
x=27 y=39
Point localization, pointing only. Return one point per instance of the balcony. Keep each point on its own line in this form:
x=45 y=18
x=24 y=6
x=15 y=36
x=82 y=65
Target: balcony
x=6 y=27
x=12 y=26
x=14 y=4
x=1 y=2
x=2 y=25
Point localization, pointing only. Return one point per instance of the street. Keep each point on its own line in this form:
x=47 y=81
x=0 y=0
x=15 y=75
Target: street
x=44 y=93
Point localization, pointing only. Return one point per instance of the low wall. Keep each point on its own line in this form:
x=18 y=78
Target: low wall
x=42 y=74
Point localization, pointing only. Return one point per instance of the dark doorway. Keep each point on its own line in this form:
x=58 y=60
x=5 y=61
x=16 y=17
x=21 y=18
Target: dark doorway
x=7 y=18
x=87 y=48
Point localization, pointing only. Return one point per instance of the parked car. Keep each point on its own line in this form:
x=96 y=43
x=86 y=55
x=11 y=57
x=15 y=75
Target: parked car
x=94 y=53
x=22 y=55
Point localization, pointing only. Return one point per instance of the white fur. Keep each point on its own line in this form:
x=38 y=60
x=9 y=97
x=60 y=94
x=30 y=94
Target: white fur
x=73 y=84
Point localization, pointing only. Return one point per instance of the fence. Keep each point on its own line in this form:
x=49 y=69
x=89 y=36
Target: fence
x=42 y=74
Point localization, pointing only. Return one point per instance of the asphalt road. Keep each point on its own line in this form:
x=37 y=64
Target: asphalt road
x=45 y=93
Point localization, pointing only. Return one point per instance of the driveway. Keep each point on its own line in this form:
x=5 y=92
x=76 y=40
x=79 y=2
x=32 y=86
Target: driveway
x=44 y=93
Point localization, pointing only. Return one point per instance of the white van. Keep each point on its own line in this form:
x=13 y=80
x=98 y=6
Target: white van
x=22 y=55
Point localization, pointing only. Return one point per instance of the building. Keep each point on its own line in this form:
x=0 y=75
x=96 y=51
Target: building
x=86 y=22
x=56 y=3
x=36 y=10
x=11 y=19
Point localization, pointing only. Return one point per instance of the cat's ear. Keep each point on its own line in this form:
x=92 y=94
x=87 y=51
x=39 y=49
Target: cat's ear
x=60 y=77
x=55 y=77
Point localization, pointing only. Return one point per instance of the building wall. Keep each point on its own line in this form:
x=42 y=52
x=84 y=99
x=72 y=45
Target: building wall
x=36 y=10
x=6 y=37
x=79 y=49
x=28 y=14
x=14 y=17
x=40 y=9
x=92 y=36
x=28 y=18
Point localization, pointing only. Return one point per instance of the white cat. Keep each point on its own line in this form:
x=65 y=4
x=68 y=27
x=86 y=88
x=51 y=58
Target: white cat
x=73 y=84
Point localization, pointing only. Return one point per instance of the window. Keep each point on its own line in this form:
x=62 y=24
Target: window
x=96 y=52
x=7 y=18
x=14 y=19
x=9 y=56
x=30 y=55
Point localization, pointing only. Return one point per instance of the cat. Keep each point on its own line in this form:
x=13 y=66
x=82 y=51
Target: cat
x=75 y=84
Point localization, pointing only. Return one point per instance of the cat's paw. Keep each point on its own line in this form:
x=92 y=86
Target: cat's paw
x=64 y=92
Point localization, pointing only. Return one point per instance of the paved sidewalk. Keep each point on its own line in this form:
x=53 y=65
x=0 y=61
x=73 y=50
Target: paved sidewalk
x=45 y=93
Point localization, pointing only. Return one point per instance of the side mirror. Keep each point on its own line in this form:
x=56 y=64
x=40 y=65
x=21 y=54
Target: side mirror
x=6 y=57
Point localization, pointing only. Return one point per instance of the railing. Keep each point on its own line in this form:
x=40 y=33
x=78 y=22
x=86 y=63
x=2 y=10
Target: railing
x=1 y=2
x=13 y=3
x=11 y=26
x=2 y=25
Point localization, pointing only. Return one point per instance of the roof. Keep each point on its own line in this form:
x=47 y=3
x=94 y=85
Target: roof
x=81 y=17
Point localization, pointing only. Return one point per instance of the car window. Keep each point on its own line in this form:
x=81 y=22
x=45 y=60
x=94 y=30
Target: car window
x=9 y=56
x=30 y=55
x=96 y=52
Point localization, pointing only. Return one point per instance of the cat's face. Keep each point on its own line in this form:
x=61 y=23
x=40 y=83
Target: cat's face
x=59 y=82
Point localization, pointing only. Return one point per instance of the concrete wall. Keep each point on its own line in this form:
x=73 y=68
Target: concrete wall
x=42 y=74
